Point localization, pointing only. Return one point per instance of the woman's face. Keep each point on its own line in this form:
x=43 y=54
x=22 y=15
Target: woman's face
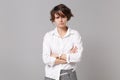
x=60 y=21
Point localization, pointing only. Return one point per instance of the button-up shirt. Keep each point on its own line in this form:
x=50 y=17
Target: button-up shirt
x=52 y=42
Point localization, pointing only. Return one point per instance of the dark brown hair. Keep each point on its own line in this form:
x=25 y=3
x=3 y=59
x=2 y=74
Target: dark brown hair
x=66 y=12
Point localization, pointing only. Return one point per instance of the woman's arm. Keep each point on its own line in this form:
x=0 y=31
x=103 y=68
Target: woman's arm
x=63 y=58
x=72 y=51
x=58 y=59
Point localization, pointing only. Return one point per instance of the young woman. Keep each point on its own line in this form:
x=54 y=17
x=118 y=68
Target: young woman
x=62 y=47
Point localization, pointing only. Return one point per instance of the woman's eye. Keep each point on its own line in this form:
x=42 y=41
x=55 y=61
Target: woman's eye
x=57 y=17
x=63 y=16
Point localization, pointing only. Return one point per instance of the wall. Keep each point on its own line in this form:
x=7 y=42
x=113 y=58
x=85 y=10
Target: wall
x=23 y=24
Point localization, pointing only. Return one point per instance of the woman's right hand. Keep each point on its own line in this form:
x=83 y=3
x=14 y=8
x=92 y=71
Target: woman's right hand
x=73 y=49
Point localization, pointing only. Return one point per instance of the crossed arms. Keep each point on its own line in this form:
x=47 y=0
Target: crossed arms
x=62 y=59
x=74 y=55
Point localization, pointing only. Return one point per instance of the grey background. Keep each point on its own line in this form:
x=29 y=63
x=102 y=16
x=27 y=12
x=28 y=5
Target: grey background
x=23 y=24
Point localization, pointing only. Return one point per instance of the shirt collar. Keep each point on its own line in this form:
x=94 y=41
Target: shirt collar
x=55 y=32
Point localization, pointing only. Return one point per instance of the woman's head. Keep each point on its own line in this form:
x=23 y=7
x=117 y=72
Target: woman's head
x=62 y=11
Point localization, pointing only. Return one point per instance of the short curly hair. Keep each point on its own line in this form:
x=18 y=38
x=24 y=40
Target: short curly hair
x=61 y=8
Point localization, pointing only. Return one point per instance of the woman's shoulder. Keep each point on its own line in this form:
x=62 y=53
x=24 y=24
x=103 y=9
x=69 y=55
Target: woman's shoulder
x=74 y=31
x=76 y=34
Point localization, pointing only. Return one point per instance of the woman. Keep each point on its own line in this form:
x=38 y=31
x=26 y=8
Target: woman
x=62 y=47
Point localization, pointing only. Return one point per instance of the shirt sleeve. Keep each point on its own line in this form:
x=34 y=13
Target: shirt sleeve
x=47 y=59
x=75 y=57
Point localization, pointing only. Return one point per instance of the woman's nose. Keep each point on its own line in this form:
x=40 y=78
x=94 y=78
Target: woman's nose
x=60 y=19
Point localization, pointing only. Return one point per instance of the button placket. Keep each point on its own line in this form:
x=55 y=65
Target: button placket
x=61 y=45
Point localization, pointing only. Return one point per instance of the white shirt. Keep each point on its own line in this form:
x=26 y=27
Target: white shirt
x=52 y=42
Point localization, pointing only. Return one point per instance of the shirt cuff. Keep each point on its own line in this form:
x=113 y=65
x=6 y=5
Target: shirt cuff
x=52 y=61
x=68 y=58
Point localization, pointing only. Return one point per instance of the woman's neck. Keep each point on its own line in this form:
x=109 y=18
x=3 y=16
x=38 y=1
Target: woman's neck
x=62 y=31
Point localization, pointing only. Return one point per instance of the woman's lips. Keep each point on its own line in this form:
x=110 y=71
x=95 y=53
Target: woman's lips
x=61 y=23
